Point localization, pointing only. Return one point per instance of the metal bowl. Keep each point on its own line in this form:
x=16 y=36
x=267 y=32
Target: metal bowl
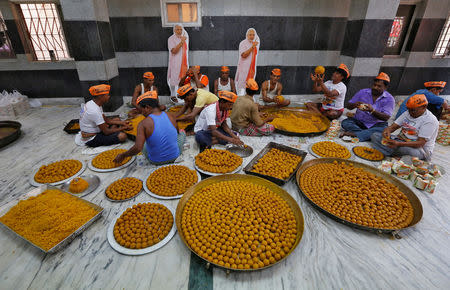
x=249 y=178
x=413 y=199
x=12 y=126
x=242 y=151
x=93 y=180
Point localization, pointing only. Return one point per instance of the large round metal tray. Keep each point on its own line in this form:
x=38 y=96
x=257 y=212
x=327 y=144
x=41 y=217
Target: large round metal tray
x=249 y=178
x=13 y=136
x=34 y=183
x=126 y=199
x=135 y=252
x=93 y=168
x=415 y=202
x=318 y=156
x=149 y=192
x=214 y=173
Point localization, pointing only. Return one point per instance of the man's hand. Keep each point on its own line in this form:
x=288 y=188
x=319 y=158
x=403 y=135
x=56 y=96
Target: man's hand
x=392 y=143
x=189 y=72
x=236 y=141
x=317 y=78
x=367 y=108
x=183 y=39
x=254 y=44
x=269 y=119
x=387 y=133
x=119 y=158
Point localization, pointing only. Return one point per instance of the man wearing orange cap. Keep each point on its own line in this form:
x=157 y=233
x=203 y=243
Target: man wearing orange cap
x=271 y=89
x=419 y=129
x=195 y=78
x=95 y=129
x=194 y=100
x=211 y=127
x=435 y=103
x=374 y=107
x=334 y=91
x=224 y=82
x=245 y=116
x=147 y=84
x=157 y=135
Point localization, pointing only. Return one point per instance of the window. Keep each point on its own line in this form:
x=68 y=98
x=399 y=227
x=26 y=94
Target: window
x=42 y=29
x=398 y=30
x=6 y=50
x=186 y=12
x=443 y=44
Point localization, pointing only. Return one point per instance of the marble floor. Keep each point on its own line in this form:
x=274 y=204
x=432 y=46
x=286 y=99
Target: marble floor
x=329 y=256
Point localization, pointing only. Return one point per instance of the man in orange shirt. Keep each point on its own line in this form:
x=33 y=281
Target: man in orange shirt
x=195 y=78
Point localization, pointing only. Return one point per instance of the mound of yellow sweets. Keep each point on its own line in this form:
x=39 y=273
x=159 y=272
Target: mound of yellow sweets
x=124 y=188
x=330 y=149
x=368 y=153
x=298 y=122
x=277 y=163
x=171 y=180
x=356 y=195
x=105 y=159
x=134 y=123
x=239 y=225
x=143 y=225
x=48 y=218
x=181 y=124
x=78 y=185
x=217 y=161
x=57 y=171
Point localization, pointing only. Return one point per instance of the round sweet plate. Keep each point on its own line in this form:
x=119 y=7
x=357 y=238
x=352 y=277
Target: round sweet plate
x=93 y=168
x=122 y=200
x=318 y=156
x=216 y=174
x=93 y=180
x=149 y=192
x=35 y=183
x=135 y=252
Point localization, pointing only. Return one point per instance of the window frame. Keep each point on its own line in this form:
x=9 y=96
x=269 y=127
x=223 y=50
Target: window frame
x=26 y=36
x=164 y=16
x=443 y=33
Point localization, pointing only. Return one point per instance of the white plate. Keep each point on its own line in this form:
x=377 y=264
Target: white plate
x=216 y=174
x=34 y=183
x=121 y=200
x=318 y=156
x=147 y=190
x=93 y=168
x=133 y=252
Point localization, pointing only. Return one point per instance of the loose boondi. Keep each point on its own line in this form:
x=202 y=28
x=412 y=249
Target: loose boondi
x=124 y=188
x=171 y=180
x=181 y=124
x=356 y=195
x=48 y=218
x=368 y=153
x=143 y=225
x=239 y=225
x=105 y=159
x=217 y=161
x=57 y=171
x=277 y=163
x=297 y=122
x=331 y=149
x=134 y=123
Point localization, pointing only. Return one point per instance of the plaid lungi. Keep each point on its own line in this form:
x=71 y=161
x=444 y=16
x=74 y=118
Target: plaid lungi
x=252 y=130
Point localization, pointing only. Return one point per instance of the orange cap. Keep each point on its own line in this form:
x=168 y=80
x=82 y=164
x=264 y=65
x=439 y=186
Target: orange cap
x=252 y=84
x=197 y=67
x=99 y=90
x=438 y=84
x=416 y=101
x=383 y=76
x=148 y=75
x=229 y=96
x=184 y=89
x=344 y=68
x=147 y=95
x=224 y=68
x=276 y=72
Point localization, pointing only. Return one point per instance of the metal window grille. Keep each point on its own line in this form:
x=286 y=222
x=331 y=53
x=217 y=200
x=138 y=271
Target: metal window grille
x=6 y=50
x=443 y=44
x=396 y=30
x=45 y=31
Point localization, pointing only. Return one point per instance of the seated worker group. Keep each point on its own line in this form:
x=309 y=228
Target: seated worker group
x=374 y=106
x=245 y=116
x=271 y=91
x=211 y=127
x=334 y=90
x=435 y=103
x=96 y=129
x=157 y=135
x=419 y=129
